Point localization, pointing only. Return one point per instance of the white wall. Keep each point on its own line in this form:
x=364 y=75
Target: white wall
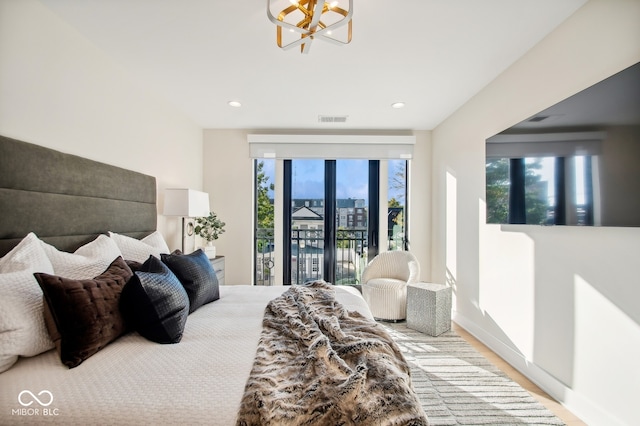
x=228 y=178
x=420 y=205
x=60 y=91
x=560 y=303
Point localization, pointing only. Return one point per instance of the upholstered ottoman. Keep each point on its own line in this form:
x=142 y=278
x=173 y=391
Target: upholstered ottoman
x=429 y=308
x=387 y=298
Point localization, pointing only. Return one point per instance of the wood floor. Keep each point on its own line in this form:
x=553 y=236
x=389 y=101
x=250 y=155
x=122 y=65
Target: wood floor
x=565 y=415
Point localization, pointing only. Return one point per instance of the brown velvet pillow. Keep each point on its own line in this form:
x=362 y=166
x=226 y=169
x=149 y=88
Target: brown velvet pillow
x=82 y=316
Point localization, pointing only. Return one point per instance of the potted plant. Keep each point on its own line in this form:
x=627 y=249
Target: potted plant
x=209 y=228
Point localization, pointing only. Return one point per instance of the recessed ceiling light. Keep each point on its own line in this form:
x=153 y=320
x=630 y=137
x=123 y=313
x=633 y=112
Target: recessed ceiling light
x=235 y=104
x=397 y=105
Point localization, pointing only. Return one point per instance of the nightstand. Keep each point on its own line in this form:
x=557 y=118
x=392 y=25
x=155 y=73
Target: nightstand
x=218 y=265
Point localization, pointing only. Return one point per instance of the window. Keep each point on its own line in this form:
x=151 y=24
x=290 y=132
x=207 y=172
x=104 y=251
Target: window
x=339 y=189
x=540 y=190
x=264 y=273
x=397 y=206
x=330 y=230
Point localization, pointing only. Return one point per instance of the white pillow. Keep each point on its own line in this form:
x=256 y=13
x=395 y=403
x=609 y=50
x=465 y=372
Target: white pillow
x=26 y=255
x=140 y=250
x=87 y=262
x=156 y=240
x=22 y=328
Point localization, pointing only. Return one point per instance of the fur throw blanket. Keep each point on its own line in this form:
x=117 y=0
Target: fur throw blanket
x=318 y=364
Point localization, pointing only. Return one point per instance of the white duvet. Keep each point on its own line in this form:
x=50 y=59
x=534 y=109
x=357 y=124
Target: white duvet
x=134 y=381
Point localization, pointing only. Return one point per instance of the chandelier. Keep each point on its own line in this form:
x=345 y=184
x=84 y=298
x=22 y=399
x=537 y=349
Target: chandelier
x=301 y=22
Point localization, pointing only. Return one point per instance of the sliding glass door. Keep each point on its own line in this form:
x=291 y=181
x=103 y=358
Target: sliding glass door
x=329 y=219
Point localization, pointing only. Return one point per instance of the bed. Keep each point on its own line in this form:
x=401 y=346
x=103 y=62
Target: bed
x=224 y=362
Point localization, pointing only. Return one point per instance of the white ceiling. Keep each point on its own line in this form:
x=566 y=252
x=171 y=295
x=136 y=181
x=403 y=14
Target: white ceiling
x=433 y=55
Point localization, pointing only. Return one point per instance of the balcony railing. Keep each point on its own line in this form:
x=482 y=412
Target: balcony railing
x=307 y=256
x=265 y=257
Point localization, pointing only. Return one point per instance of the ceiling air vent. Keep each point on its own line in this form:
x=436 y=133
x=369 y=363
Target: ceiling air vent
x=332 y=118
x=538 y=118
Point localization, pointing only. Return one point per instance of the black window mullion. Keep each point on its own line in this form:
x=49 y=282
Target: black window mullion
x=255 y=221
x=517 y=209
x=286 y=218
x=329 y=268
x=561 y=196
x=373 y=227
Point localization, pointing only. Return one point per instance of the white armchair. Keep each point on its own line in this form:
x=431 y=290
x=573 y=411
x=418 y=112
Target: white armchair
x=384 y=284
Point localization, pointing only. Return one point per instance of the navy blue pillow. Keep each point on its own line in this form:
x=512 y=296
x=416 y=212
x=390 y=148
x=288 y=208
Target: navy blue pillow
x=154 y=303
x=196 y=275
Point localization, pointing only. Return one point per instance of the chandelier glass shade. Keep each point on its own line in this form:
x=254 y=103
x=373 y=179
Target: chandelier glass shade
x=300 y=22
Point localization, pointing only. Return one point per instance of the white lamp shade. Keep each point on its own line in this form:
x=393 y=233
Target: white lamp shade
x=186 y=203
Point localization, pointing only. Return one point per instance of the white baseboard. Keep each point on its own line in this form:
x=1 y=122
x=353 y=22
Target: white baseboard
x=586 y=410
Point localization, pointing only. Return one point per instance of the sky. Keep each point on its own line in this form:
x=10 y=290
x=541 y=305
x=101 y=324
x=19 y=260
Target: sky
x=308 y=178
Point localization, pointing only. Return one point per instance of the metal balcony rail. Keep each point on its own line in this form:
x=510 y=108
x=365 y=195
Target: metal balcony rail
x=307 y=256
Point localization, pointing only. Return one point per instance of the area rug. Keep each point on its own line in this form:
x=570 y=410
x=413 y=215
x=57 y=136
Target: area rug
x=458 y=386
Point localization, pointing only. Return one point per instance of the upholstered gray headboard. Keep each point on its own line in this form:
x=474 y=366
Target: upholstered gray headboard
x=68 y=200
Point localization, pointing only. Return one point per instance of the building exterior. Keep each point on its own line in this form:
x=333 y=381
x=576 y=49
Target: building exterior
x=307 y=242
x=351 y=213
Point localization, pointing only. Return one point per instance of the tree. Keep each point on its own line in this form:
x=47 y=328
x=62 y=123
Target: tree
x=265 y=211
x=396 y=212
x=497 y=195
x=343 y=237
x=395 y=207
x=535 y=193
x=497 y=174
x=265 y=204
x=399 y=179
